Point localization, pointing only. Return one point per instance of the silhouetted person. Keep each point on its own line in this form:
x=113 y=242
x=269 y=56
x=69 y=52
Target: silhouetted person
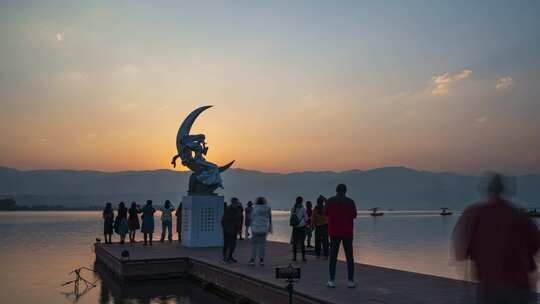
x=166 y=221
x=231 y=224
x=178 y=214
x=341 y=212
x=298 y=222
x=147 y=227
x=121 y=223
x=309 y=227
x=247 y=217
x=240 y=237
x=501 y=241
x=261 y=225
x=108 y=222
x=133 y=221
x=320 y=222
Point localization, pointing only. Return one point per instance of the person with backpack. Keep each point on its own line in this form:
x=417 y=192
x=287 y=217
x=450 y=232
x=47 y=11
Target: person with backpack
x=166 y=221
x=298 y=222
x=320 y=222
x=341 y=212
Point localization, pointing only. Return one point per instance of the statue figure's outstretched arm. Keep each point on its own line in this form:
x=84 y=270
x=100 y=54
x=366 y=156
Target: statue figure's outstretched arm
x=173 y=161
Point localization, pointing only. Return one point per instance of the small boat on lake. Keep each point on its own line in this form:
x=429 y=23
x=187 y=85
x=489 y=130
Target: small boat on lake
x=445 y=211
x=534 y=213
x=375 y=212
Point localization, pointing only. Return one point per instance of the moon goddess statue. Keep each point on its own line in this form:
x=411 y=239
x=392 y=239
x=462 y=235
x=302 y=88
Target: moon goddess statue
x=192 y=149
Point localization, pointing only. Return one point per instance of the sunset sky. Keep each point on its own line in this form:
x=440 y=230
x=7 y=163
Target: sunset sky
x=296 y=85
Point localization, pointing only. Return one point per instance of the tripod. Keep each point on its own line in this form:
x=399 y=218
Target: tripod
x=77 y=292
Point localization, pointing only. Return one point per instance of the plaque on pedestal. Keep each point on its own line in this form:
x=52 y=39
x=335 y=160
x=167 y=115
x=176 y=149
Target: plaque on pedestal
x=201 y=220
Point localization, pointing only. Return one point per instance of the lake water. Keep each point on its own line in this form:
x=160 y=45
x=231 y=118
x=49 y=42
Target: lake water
x=39 y=249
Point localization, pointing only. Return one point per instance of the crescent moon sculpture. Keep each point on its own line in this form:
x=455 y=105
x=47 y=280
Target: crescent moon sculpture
x=192 y=150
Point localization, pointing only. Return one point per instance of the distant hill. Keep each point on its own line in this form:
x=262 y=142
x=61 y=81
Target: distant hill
x=389 y=187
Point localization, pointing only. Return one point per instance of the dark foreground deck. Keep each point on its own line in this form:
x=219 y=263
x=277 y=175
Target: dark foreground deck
x=374 y=284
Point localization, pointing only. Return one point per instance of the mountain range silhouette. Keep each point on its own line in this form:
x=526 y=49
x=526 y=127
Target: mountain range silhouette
x=387 y=187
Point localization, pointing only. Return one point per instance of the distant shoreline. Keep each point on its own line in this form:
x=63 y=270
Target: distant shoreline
x=276 y=212
x=94 y=208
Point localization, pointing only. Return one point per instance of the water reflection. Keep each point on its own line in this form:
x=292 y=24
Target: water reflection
x=39 y=249
x=159 y=291
x=80 y=285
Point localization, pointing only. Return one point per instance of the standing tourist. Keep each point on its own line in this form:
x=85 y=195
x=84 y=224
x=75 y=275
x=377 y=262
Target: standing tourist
x=502 y=241
x=178 y=214
x=298 y=223
x=108 y=221
x=241 y=220
x=320 y=222
x=341 y=212
x=247 y=220
x=121 y=223
x=166 y=221
x=133 y=221
x=261 y=225
x=230 y=222
x=147 y=227
x=309 y=228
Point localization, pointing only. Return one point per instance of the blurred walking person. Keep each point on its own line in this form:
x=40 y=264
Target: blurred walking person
x=320 y=222
x=231 y=224
x=501 y=241
x=261 y=225
x=247 y=217
x=166 y=221
x=108 y=222
x=341 y=212
x=147 y=227
x=298 y=221
x=133 y=221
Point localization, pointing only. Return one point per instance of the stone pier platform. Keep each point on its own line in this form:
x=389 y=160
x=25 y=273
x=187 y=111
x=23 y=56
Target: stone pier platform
x=374 y=284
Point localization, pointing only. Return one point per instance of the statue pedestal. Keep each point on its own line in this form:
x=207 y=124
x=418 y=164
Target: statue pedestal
x=201 y=220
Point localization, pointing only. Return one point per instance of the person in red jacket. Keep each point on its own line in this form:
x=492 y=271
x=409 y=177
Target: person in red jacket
x=341 y=212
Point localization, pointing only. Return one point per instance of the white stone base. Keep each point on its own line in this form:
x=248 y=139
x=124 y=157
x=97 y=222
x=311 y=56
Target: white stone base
x=201 y=220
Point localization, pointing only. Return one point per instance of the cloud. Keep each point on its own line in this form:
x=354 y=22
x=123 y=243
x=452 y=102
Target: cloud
x=442 y=82
x=76 y=76
x=504 y=83
x=163 y=108
x=129 y=69
x=481 y=119
x=59 y=37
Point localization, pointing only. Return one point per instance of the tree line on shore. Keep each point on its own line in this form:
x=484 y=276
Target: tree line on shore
x=9 y=204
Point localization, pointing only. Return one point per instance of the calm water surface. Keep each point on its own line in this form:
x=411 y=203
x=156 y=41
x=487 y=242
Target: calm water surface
x=38 y=249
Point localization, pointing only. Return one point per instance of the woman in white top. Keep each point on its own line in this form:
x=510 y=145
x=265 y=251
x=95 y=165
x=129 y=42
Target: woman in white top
x=261 y=225
x=298 y=222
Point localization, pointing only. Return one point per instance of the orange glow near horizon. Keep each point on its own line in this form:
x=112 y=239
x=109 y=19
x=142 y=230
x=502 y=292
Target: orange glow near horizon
x=87 y=86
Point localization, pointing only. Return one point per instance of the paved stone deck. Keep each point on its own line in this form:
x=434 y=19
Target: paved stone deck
x=374 y=284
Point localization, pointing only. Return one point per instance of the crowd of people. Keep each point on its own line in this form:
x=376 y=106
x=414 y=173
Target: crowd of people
x=330 y=221
x=127 y=222
x=499 y=238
